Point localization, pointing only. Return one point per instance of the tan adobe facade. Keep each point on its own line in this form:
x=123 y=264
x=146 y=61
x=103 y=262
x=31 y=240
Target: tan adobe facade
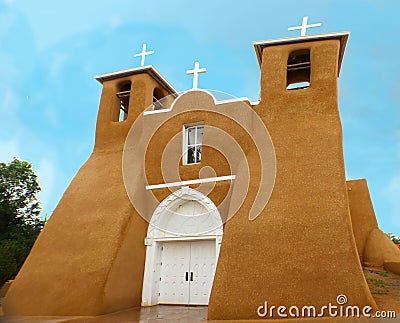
x=98 y=253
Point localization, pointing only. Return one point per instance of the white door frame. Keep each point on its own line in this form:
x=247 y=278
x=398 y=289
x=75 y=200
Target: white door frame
x=153 y=242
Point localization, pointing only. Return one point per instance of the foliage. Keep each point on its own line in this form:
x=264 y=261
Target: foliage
x=384 y=274
x=20 y=221
x=377 y=286
x=392 y=237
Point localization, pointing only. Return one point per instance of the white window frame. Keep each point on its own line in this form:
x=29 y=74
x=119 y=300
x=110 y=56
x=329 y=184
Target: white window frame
x=185 y=146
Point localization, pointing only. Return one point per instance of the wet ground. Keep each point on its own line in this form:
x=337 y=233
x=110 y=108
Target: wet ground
x=166 y=314
x=156 y=314
x=384 y=286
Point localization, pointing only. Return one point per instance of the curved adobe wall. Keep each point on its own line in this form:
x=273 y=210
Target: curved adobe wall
x=301 y=250
x=362 y=213
x=374 y=247
x=89 y=259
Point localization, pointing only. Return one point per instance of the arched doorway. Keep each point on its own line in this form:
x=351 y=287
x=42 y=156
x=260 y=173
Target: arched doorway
x=182 y=249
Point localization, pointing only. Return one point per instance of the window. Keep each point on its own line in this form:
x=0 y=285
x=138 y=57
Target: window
x=157 y=96
x=123 y=96
x=298 y=70
x=193 y=137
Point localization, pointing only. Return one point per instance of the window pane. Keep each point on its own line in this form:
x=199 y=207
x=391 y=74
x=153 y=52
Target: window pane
x=198 y=154
x=191 y=155
x=200 y=131
x=191 y=136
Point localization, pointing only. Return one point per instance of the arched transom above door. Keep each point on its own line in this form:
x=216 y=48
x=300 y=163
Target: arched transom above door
x=186 y=212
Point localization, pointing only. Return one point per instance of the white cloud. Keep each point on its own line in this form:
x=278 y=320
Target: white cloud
x=8 y=150
x=57 y=64
x=116 y=21
x=51 y=116
x=9 y=103
x=392 y=194
x=9 y=2
x=46 y=171
x=394 y=184
x=10 y=145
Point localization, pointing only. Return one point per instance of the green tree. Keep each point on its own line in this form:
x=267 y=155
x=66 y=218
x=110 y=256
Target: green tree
x=392 y=237
x=20 y=221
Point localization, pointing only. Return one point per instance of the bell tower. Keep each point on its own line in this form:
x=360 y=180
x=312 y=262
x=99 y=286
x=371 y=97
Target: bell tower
x=125 y=95
x=301 y=250
x=301 y=69
x=90 y=256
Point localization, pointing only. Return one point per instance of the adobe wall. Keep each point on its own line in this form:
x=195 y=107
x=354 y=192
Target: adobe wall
x=222 y=122
x=374 y=247
x=285 y=256
x=362 y=213
x=89 y=259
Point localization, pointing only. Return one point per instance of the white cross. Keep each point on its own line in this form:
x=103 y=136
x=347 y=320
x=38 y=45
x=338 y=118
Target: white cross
x=304 y=26
x=196 y=71
x=143 y=54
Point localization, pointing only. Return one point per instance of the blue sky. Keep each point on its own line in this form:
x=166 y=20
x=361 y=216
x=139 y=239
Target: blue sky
x=51 y=50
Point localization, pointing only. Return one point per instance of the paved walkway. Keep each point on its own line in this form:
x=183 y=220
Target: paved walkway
x=154 y=314
x=171 y=314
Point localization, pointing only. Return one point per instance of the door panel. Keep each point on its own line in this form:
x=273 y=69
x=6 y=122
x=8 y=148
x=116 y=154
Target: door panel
x=187 y=272
x=202 y=268
x=175 y=258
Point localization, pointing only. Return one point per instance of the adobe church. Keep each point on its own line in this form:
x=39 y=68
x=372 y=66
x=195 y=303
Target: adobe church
x=194 y=201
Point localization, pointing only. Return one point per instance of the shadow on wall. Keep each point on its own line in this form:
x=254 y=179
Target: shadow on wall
x=374 y=247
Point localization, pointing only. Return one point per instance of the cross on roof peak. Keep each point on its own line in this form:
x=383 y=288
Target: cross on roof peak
x=143 y=54
x=304 y=26
x=196 y=71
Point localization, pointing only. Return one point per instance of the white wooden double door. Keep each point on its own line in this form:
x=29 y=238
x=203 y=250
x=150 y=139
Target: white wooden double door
x=187 y=272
